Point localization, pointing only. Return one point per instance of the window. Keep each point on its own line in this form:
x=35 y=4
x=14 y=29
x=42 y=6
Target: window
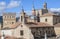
x=21 y=18
x=13 y=16
x=21 y=25
x=21 y=32
x=12 y=22
x=56 y=21
x=45 y=20
x=5 y=16
x=10 y=16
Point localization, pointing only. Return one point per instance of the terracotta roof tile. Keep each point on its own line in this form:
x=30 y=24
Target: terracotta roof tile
x=39 y=24
x=15 y=25
x=57 y=25
x=32 y=24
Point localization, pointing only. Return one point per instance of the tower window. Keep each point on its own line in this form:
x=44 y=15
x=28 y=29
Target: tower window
x=45 y=20
x=21 y=18
x=21 y=32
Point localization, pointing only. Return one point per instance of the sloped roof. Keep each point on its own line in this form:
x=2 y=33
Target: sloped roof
x=39 y=24
x=31 y=24
x=15 y=25
x=48 y=14
x=12 y=26
x=57 y=25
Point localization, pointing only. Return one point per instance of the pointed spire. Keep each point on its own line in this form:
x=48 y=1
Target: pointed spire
x=45 y=5
x=33 y=8
x=22 y=9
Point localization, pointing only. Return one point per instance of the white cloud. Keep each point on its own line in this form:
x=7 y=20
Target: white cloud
x=2 y=6
x=13 y=4
x=55 y=9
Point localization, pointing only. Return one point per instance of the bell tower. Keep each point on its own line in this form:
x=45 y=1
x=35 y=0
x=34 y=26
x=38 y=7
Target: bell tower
x=45 y=5
x=22 y=16
x=44 y=9
x=34 y=12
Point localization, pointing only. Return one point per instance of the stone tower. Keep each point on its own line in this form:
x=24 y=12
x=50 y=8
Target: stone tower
x=44 y=9
x=22 y=16
x=9 y=19
x=45 y=5
x=38 y=17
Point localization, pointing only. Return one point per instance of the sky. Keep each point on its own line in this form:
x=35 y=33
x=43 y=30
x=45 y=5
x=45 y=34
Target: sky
x=15 y=6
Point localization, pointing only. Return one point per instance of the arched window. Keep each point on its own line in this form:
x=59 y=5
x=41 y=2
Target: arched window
x=46 y=20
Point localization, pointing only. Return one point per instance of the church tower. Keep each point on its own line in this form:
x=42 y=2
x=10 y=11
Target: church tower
x=38 y=17
x=45 y=5
x=44 y=9
x=22 y=16
x=34 y=12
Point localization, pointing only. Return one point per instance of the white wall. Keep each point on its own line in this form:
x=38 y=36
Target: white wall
x=26 y=30
x=6 y=32
x=49 y=19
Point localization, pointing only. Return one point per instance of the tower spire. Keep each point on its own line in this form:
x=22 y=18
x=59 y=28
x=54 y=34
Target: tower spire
x=22 y=9
x=33 y=9
x=45 y=5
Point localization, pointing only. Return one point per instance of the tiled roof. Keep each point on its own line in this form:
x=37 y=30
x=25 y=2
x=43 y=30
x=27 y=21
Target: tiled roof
x=12 y=26
x=48 y=14
x=12 y=37
x=39 y=24
x=57 y=25
x=15 y=25
x=32 y=24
